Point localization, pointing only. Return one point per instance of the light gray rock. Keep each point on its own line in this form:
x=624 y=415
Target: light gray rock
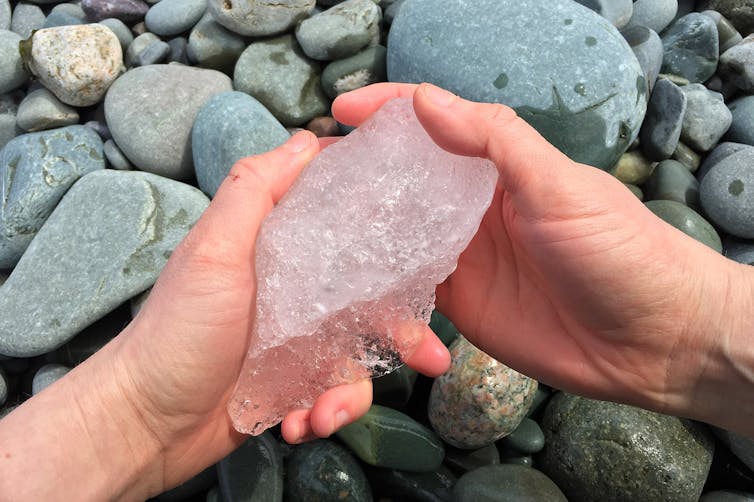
x=125 y=37
x=65 y=14
x=115 y=157
x=653 y=14
x=179 y=50
x=172 y=17
x=340 y=31
x=5 y=15
x=647 y=47
x=156 y=135
x=739 y=250
x=137 y=45
x=26 y=18
x=259 y=17
x=211 y=45
x=278 y=74
x=12 y=73
x=741 y=128
x=229 y=127
x=618 y=12
x=727 y=193
x=8 y=109
x=36 y=170
x=110 y=235
x=706 y=118
x=41 y=110
x=3 y=389
x=154 y=53
x=46 y=376
x=737 y=64
x=721 y=151
x=662 y=125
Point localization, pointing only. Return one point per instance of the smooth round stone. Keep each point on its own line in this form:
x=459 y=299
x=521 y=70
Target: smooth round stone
x=340 y=31
x=91 y=339
x=506 y=483
x=41 y=110
x=46 y=376
x=111 y=235
x=727 y=496
x=618 y=12
x=597 y=450
x=156 y=135
x=128 y=11
x=635 y=190
x=647 y=48
x=706 y=119
x=179 y=50
x=211 y=45
x=737 y=64
x=662 y=125
x=253 y=472
x=727 y=34
x=478 y=400
x=125 y=37
x=589 y=105
x=5 y=15
x=257 y=18
x=462 y=461
x=115 y=158
x=691 y=48
x=739 y=250
x=653 y=14
x=283 y=79
x=154 y=53
x=527 y=438
x=38 y=168
x=389 y=13
x=26 y=18
x=192 y=487
x=719 y=153
x=633 y=168
x=172 y=17
x=100 y=128
x=323 y=470
x=397 y=485
x=741 y=446
x=137 y=45
x=229 y=127
x=739 y=12
x=12 y=73
x=687 y=157
x=687 y=221
x=727 y=194
x=61 y=18
x=671 y=180
x=362 y=69
x=76 y=63
x=741 y=129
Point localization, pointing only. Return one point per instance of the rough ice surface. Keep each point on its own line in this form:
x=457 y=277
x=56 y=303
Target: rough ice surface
x=348 y=261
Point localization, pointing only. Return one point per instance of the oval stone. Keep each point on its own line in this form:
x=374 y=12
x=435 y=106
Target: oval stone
x=171 y=17
x=257 y=18
x=687 y=221
x=506 y=483
x=741 y=128
x=727 y=193
x=253 y=472
x=46 y=376
x=691 y=48
x=12 y=73
x=589 y=104
x=229 y=127
x=156 y=135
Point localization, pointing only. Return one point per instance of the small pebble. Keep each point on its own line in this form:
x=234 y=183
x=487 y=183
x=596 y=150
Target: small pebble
x=367 y=67
x=633 y=168
x=671 y=180
x=691 y=48
x=154 y=53
x=137 y=45
x=257 y=18
x=661 y=129
x=737 y=64
x=340 y=31
x=618 y=12
x=727 y=34
x=172 y=17
x=727 y=193
x=115 y=157
x=687 y=221
x=125 y=37
x=211 y=45
x=46 y=376
x=41 y=110
x=647 y=47
x=741 y=129
x=653 y=14
x=706 y=118
x=178 y=50
x=27 y=18
x=687 y=157
x=323 y=127
x=128 y=11
x=12 y=73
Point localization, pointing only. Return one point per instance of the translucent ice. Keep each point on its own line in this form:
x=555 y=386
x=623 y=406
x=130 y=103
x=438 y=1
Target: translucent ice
x=348 y=261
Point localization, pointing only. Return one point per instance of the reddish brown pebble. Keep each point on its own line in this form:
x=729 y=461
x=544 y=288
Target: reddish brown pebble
x=323 y=127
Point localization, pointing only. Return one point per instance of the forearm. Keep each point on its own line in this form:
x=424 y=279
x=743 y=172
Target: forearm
x=79 y=439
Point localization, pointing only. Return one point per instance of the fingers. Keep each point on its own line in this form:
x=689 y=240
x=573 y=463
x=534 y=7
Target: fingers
x=430 y=357
x=353 y=108
x=326 y=141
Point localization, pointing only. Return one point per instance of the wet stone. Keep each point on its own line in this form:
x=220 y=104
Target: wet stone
x=253 y=472
x=527 y=438
x=671 y=180
x=691 y=48
x=506 y=483
x=662 y=125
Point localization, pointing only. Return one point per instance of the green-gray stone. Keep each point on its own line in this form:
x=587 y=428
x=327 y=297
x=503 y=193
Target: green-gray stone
x=526 y=438
x=394 y=389
x=384 y=437
x=687 y=221
x=359 y=70
x=691 y=48
x=462 y=461
x=515 y=458
x=671 y=180
x=638 y=192
x=598 y=450
x=506 y=483
x=253 y=472
x=443 y=328
x=321 y=471
x=392 y=484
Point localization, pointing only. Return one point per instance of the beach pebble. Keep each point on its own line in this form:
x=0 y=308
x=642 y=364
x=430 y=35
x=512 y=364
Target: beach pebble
x=340 y=31
x=647 y=47
x=172 y=17
x=727 y=193
x=128 y=11
x=154 y=53
x=258 y=18
x=47 y=375
x=618 y=12
x=691 y=48
x=706 y=118
x=41 y=110
x=727 y=34
x=125 y=37
x=671 y=180
x=737 y=64
x=362 y=69
x=653 y=14
x=211 y=45
x=662 y=125
x=12 y=73
x=26 y=18
x=687 y=221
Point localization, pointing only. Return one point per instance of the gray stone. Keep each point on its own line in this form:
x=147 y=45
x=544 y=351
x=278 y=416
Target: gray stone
x=739 y=12
x=110 y=235
x=691 y=48
x=727 y=193
x=647 y=47
x=359 y=70
x=154 y=53
x=662 y=125
x=727 y=34
x=737 y=64
x=61 y=18
x=211 y=45
x=739 y=250
x=727 y=496
x=36 y=170
x=12 y=73
x=340 y=31
x=589 y=104
x=719 y=153
x=8 y=109
x=100 y=128
x=41 y=110
x=125 y=37
x=741 y=129
x=687 y=221
x=671 y=180
x=5 y=15
x=389 y=13
x=26 y=18
x=283 y=79
x=229 y=127
x=128 y=11
x=156 y=135
x=687 y=157
x=171 y=17
x=253 y=472
x=46 y=376
x=742 y=447
x=178 y=50
x=706 y=118
x=115 y=157
x=137 y=45
x=653 y=14
x=597 y=450
x=618 y=12
x=506 y=483
x=259 y=17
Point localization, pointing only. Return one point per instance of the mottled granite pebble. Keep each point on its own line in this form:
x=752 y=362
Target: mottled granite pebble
x=340 y=31
x=36 y=170
x=26 y=18
x=259 y=17
x=737 y=64
x=662 y=125
x=41 y=110
x=156 y=135
x=706 y=118
x=128 y=11
x=76 y=63
x=211 y=45
x=653 y=14
x=172 y=17
x=691 y=48
x=283 y=79
x=111 y=234
x=12 y=73
x=362 y=69
x=727 y=193
x=230 y=126
x=478 y=400
x=46 y=376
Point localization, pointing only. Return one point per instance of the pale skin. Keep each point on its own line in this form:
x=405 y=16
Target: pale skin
x=570 y=280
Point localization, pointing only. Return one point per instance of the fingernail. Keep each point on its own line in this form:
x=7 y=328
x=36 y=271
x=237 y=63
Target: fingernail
x=439 y=97
x=299 y=142
x=341 y=418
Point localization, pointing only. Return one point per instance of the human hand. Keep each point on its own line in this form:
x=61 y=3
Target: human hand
x=570 y=279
